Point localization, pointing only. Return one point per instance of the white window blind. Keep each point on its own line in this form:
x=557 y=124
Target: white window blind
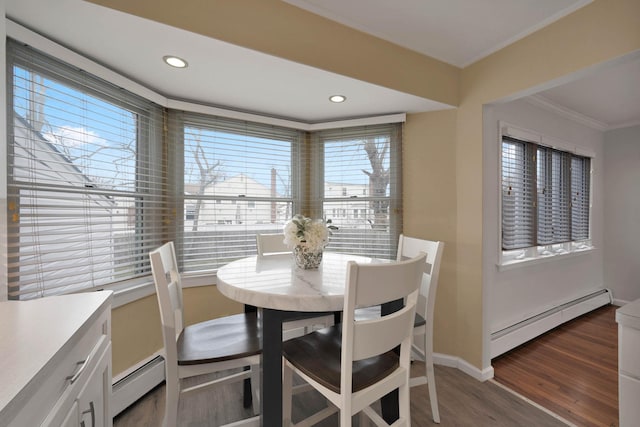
x=580 y=197
x=553 y=188
x=518 y=194
x=84 y=179
x=545 y=195
x=237 y=179
x=357 y=183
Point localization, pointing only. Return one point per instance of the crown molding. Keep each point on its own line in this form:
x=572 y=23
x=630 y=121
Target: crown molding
x=628 y=124
x=542 y=102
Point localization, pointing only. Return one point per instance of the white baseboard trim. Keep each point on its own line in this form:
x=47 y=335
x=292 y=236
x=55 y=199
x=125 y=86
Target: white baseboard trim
x=619 y=302
x=464 y=366
x=137 y=381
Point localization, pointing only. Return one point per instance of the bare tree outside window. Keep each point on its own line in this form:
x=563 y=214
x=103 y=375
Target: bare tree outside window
x=208 y=173
x=378 y=180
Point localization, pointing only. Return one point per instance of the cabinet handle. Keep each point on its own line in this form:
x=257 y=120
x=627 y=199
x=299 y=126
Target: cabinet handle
x=75 y=376
x=91 y=411
x=85 y=362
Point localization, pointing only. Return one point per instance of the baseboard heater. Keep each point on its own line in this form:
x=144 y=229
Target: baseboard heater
x=128 y=389
x=512 y=336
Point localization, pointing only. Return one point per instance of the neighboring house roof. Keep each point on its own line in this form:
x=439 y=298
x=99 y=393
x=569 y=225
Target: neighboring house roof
x=241 y=184
x=54 y=166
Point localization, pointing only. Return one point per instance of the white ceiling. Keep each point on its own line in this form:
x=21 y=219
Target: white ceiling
x=455 y=31
x=609 y=97
x=458 y=32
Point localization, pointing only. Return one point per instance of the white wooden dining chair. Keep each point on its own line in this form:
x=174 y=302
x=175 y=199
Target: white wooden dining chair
x=423 y=327
x=354 y=364
x=273 y=244
x=222 y=344
x=409 y=247
x=270 y=244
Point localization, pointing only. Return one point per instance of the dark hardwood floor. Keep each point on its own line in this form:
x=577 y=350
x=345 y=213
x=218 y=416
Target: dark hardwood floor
x=571 y=370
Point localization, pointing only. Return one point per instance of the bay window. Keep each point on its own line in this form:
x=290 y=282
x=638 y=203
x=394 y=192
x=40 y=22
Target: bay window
x=97 y=177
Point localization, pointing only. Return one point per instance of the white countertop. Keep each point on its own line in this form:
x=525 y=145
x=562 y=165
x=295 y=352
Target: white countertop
x=274 y=281
x=32 y=332
x=629 y=314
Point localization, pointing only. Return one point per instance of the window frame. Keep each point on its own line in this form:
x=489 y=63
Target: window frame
x=318 y=198
x=179 y=120
x=145 y=193
x=512 y=258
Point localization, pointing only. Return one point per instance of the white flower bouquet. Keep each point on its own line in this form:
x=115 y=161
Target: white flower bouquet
x=313 y=234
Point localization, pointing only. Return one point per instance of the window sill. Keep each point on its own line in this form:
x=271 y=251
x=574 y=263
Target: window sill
x=542 y=259
x=125 y=294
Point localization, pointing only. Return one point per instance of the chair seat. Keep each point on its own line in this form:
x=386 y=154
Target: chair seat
x=221 y=339
x=419 y=321
x=318 y=355
x=374 y=311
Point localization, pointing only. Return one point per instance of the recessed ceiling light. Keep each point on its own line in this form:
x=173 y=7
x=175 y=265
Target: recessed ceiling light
x=337 y=98
x=174 y=61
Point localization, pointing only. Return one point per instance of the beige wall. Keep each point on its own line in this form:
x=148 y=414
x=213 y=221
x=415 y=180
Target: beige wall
x=451 y=208
x=135 y=333
x=429 y=206
x=136 y=330
x=601 y=31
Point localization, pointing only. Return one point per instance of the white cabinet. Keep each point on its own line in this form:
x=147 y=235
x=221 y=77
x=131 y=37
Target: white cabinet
x=71 y=420
x=56 y=359
x=628 y=318
x=93 y=400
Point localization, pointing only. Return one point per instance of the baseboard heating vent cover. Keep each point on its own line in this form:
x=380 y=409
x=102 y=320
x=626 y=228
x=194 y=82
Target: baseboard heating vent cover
x=521 y=332
x=135 y=384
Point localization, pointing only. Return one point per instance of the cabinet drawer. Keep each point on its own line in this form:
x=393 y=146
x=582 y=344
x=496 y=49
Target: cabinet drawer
x=629 y=390
x=76 y=381
x=629 y=351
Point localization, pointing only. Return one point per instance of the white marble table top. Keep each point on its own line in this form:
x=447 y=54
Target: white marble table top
x=274 y=281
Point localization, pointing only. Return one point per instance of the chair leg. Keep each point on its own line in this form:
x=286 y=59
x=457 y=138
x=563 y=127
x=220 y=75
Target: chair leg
x=287 y=395
x=255 y=388
x=345 y=412
x=247 y=399
x=363 y=420
x=172 y=399
x=431 y=382
x=404 y=404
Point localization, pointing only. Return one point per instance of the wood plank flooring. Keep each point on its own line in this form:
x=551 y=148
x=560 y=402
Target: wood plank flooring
x=463 y=401
x=571 y=370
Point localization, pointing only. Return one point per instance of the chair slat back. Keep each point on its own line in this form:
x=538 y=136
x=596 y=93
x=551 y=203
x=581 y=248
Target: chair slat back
x=409 y=247
x=168 y=289
x=271 y=244
x=371 y=284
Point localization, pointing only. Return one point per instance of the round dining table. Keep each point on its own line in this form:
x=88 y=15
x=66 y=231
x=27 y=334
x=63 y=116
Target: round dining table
x=282 y=291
